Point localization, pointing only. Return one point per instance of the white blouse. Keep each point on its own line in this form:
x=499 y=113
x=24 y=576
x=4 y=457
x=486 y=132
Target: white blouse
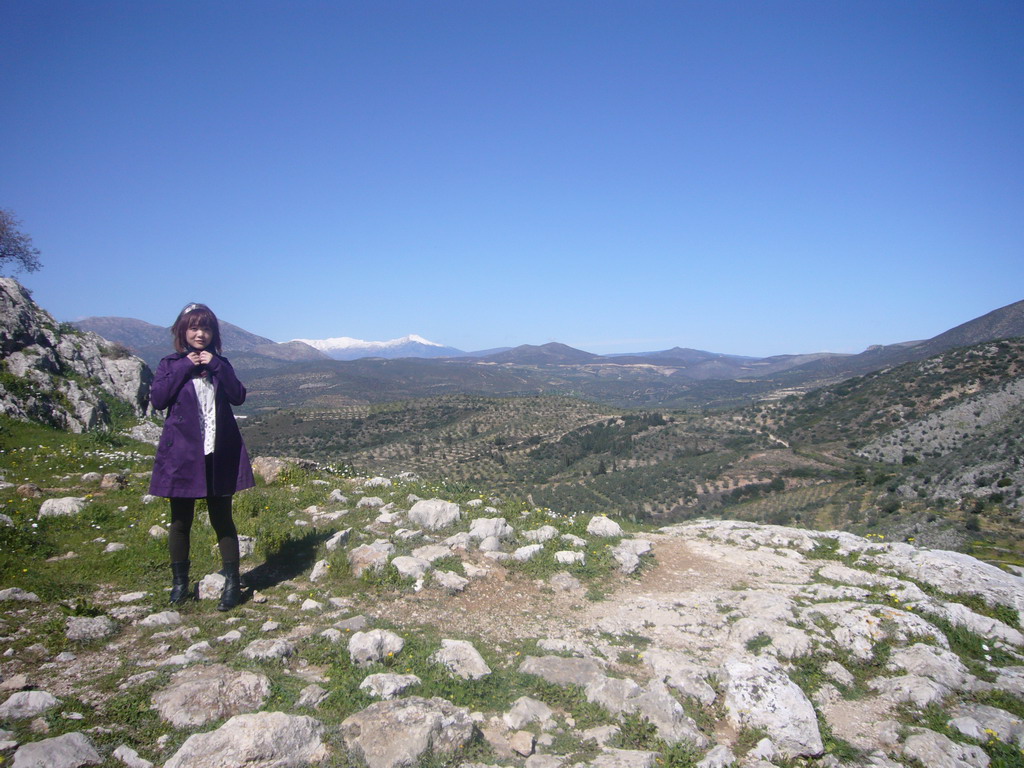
x=207 y=411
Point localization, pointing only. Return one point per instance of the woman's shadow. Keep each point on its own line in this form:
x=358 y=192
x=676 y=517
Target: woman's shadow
x=294 y=557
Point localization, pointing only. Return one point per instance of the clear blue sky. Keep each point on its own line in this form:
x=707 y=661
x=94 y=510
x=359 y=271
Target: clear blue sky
x=752 y=177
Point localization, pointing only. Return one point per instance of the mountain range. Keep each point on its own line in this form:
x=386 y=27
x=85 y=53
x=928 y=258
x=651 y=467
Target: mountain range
x=413 y=366
x=347 y=348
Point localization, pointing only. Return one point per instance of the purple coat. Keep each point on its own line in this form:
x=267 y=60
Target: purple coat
x=180 y=467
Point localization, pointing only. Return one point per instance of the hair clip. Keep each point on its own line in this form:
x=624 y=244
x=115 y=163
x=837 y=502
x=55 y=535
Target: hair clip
x=189 y=308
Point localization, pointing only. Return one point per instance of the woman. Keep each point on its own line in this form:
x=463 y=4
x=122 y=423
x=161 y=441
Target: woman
x=201 y=454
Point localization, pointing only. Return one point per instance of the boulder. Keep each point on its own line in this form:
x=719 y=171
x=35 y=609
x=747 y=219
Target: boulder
x=72 y=750
x=388 y=685
x=130 y=758
x=19 y=594
x=485 y=527
x=268 y=468
x=542 y=534
x=338 y=539
x=394 y=734
x=434 y=514
x=62 y=507
x=528 y=552
x=263 y=650
x=450 y=582
x=83 y=629
x=431 y=552
x=462 y=659
x=567 y=557
x=410 y=567
x=605 y=527
x=370 y=557
x=200 y=695
x=25 y=704
x=260 y=740
x=526 y=710
x=365 y=648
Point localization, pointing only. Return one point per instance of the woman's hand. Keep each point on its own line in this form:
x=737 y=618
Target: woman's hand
x=200 y=358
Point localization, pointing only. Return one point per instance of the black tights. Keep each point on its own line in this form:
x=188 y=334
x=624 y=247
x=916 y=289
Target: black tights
x=182 y=514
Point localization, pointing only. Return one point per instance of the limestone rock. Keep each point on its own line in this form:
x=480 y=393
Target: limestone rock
x=462 y=659
x=624 y=758
x=370 y=557
x=268 y=468
x=600 y=525
x=25 y=704
x=542 y=534
x=938 y=664
x=66 y=373
x=410 y=567
x=162 y=619
x=434 y=514
x=200 y=695
x=486 y=527
x=561 y=670
x=566 y=557
x=679 y=672
x=563 y=581
x=654 y=702
x=719 y=757
x=937 y=751
x=528 y=552
x=130 y=757
x=338 y=539
x=87 y=628
x=276 y=649
x=62 y=507
x=261 y=740
x=391 y=734
x=388 y=685
x=311 y=697
x=320 y=569
x=759 y=694
x=980 y=721
x=451 y=582
x=525 y=711
x=522 y=743
x=431 y=552
x=365 y=648
x=17 y=593
x=72 y=750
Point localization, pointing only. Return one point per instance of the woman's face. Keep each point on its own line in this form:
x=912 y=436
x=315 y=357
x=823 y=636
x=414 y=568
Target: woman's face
x=199 y=337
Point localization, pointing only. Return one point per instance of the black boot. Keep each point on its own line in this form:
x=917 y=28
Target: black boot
x=232 y=594
x=179 y=583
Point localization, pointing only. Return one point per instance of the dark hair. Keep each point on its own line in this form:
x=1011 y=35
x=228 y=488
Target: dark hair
x=195 y=316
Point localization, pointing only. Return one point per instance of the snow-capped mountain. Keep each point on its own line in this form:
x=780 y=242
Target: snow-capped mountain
x=346 y=348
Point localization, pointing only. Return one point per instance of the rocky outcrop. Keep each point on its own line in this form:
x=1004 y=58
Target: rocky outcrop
x=56 y=375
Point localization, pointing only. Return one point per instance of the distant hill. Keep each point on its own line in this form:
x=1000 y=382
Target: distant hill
x=153 y=342
x=1003 y=323
x=552 y=353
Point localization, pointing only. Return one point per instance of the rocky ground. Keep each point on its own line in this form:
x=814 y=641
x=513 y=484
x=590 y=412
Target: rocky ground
x=713 y=644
